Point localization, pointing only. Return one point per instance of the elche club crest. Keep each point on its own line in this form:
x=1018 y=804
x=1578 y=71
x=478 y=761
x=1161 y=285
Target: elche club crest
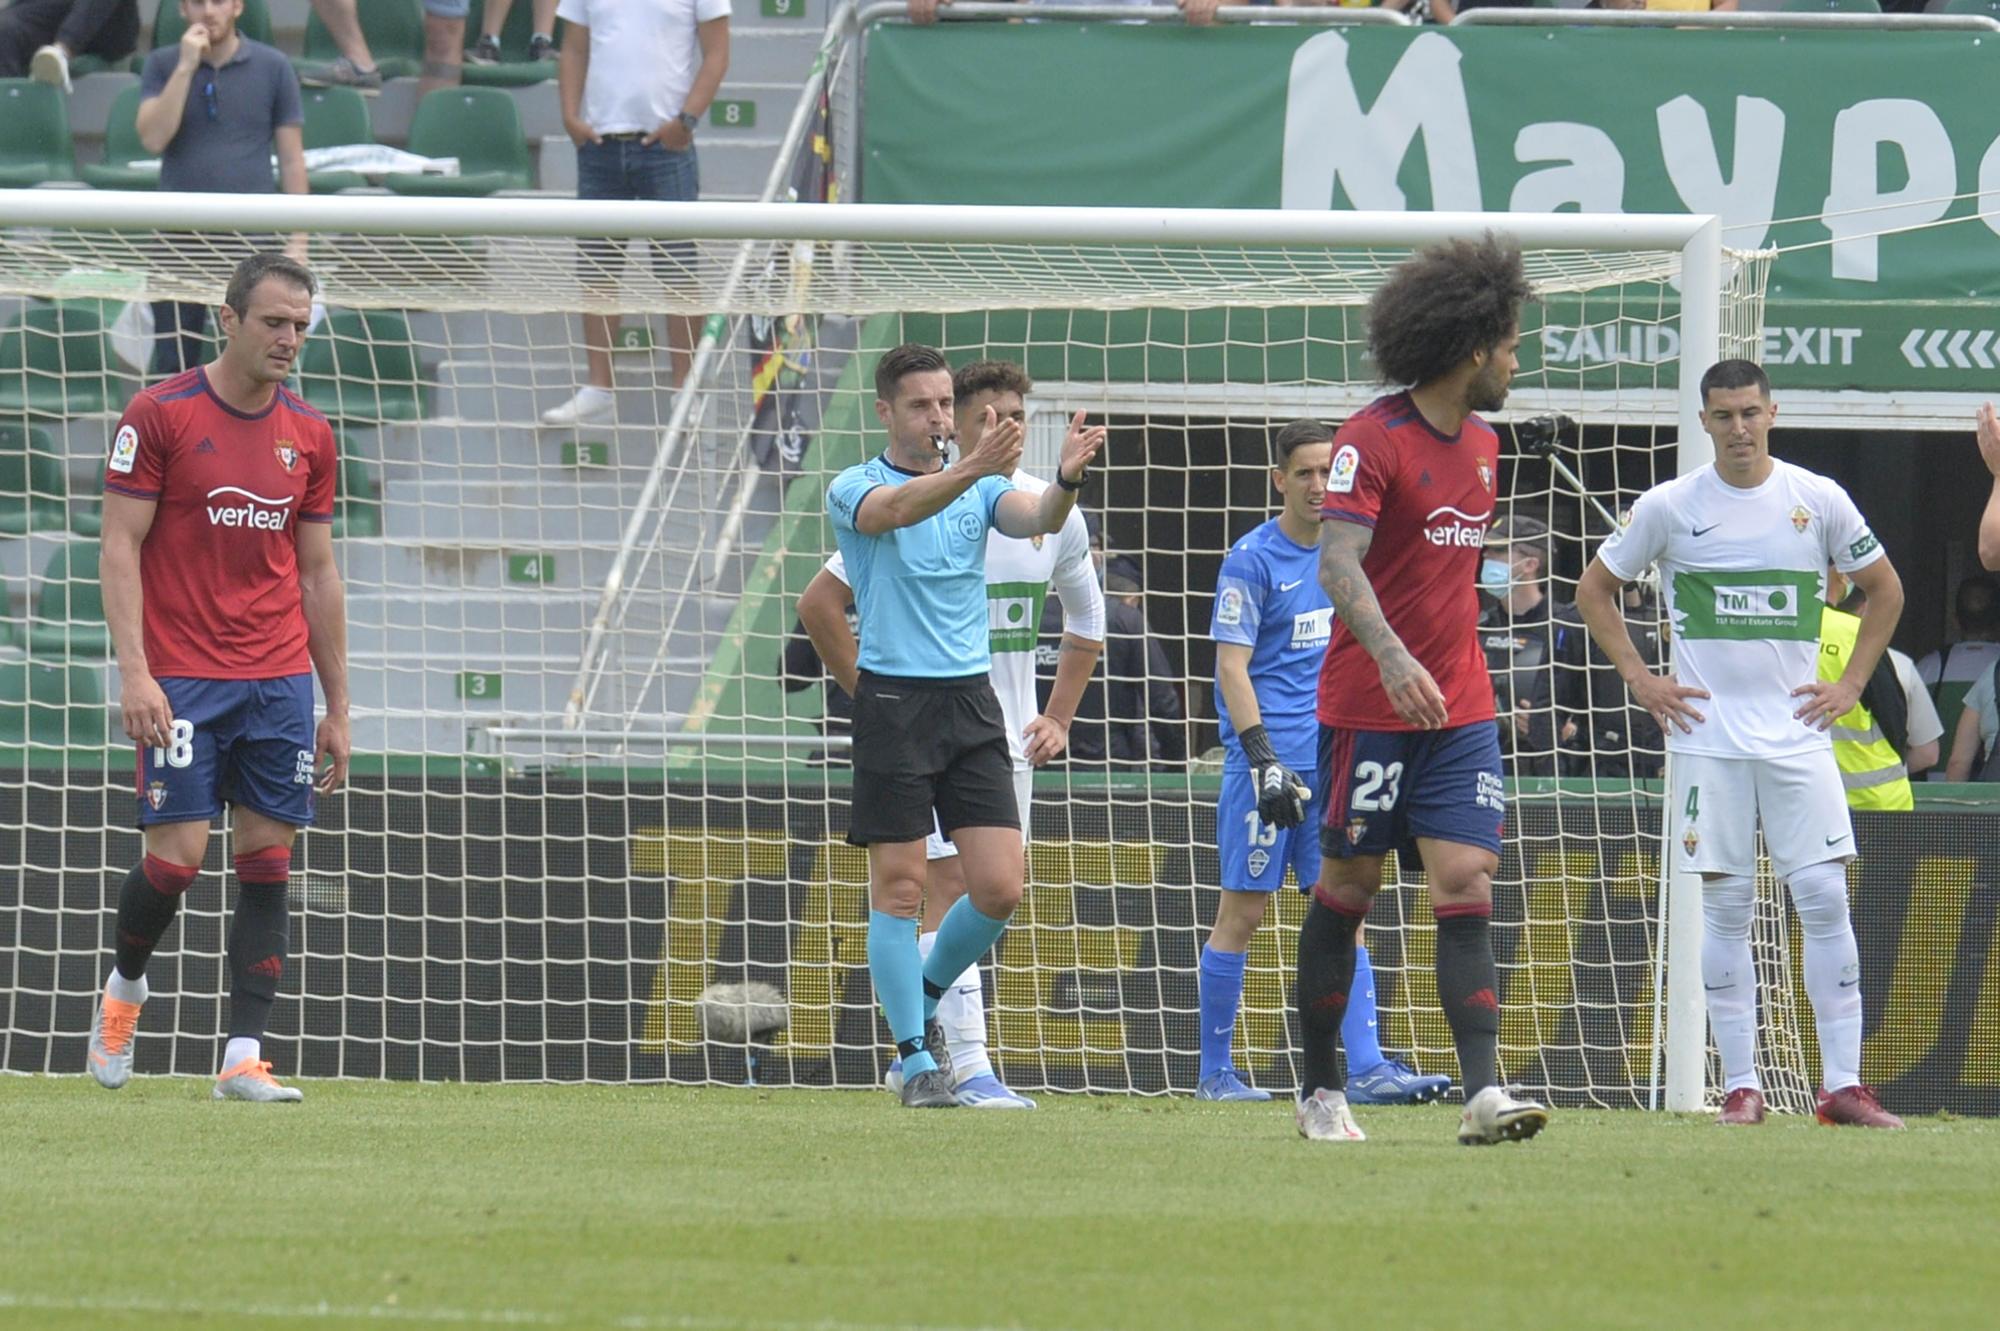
x=287 y=453
x=1801 y=518
x=1690 y=841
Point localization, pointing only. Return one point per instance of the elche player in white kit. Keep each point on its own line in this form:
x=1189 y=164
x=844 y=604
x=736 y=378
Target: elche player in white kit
x=1019 y=576
x=1742 y=547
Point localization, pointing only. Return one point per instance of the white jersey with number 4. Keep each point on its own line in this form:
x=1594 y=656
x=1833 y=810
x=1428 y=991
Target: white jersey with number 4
x=1019 y=574
x=1743 y=573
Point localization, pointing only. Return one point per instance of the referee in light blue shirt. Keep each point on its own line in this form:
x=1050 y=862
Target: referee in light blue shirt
x=928 y=733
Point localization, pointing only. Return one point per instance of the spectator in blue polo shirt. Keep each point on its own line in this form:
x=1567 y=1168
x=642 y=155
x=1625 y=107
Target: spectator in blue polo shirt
x=215 y=108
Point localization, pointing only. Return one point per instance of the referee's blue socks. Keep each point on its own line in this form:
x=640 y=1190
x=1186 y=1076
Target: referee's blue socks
x=963 y=937
x=898 y=974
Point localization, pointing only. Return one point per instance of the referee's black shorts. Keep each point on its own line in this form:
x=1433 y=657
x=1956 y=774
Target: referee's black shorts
x=928 y=744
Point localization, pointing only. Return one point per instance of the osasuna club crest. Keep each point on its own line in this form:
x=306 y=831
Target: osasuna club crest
x=156 y=794
x=288 y=455
x=1486 y=475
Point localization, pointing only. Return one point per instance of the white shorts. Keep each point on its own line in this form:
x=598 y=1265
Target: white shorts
x=1717 y=803
x=937 y=846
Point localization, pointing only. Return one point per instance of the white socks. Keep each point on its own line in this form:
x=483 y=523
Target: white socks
x=124 y=990
x=239 y=1048
x=1833 y=970
x=1729 y=976
x=962 y=1013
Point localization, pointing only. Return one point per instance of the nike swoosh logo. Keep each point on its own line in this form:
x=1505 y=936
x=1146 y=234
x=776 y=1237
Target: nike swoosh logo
x=1849 y=984
x=1713 y=987
x=1703 y=531
x=1835 y=840
x=1287 y=586
x=1224 y=1030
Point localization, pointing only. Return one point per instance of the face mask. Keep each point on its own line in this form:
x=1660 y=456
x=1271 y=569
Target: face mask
x=1495 y=575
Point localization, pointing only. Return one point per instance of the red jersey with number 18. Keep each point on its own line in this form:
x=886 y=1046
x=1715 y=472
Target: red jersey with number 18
x=1429 y=498
x=219 y=567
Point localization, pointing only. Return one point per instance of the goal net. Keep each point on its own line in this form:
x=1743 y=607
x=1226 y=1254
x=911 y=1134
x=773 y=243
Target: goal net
x=589 y=799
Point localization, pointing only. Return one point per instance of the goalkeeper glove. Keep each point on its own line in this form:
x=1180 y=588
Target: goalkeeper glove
x=1281 y=792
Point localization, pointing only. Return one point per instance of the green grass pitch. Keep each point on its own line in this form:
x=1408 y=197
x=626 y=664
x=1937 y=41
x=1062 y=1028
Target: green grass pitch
x=396 y=1204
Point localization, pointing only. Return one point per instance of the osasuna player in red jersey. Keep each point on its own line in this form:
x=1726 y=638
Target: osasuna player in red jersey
x=222 y=597
x=1408 y=753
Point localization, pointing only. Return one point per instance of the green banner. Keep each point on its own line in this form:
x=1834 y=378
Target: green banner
x=1860 y=154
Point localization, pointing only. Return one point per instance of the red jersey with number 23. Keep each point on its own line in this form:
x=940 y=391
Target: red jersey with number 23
x=220 y=567
x=1429 y=498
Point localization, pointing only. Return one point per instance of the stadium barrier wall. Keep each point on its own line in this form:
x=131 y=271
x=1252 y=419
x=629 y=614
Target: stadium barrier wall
x=555 y=928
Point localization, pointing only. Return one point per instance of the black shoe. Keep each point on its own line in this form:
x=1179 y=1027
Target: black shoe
x=929 y=1090
x=935 y=1046
x=485 y=51
x=540 y=48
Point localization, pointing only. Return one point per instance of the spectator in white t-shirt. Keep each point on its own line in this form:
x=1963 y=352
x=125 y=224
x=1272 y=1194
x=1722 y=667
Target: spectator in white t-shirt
x=635 y=78
x=1951 y=671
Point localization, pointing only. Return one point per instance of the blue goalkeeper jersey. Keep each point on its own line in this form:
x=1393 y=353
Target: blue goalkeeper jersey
x=920 y=589
x=1268 y=598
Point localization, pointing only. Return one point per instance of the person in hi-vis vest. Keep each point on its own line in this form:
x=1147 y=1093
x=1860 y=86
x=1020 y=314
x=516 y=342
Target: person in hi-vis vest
x=1875 y=754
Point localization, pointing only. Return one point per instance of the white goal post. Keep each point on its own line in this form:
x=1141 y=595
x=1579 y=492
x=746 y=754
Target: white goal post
x=481 y=289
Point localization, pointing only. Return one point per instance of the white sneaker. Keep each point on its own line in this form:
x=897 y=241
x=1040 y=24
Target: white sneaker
x=591 y=403
x=50 y=65
x=1324 y=1117
x=252 y=1080
x=1493 y=1116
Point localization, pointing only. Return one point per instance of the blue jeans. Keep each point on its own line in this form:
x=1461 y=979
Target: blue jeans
x=623 y=168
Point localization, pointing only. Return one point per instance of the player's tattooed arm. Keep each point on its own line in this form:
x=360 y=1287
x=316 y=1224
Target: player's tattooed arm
x=1410 y=688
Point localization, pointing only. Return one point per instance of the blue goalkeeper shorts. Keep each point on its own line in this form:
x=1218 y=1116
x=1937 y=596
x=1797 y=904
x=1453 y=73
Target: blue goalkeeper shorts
x=1253 y=853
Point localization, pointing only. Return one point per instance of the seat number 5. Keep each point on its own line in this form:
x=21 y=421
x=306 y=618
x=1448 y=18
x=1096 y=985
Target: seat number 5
x=1377 y=786
x=179 y=750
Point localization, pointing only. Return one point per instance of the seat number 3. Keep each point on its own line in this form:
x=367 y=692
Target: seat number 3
x=179 y=749
x=1376 y=786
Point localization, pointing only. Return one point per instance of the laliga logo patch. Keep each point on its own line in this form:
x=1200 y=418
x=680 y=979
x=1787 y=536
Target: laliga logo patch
x=1801 y=518
x=1486 y=475
x=288 y=455
x=1346 y=465
x=156 y=794
x=125 y=449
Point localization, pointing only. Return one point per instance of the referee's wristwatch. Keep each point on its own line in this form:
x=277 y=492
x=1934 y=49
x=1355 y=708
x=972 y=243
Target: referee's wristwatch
x=691 y=121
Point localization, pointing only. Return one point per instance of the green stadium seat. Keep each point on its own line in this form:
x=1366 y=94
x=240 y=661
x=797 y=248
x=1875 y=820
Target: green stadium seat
x=481 y=127
x=121 y=148
x=11 y=614
x=254 y=23
x=54 y=706
x=68 y=618
x=394 y=30
x=335 y=117
x=361 y=368
x=1983 y=8
x=515 y=70
x=358 y=509
x=1830 y=7
x=33 y=483
x=56 y=361
x=36 y=146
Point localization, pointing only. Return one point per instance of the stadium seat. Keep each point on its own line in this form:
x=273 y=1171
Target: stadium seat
x=394 y=30
x=68 y=618
x=361 y=368
x=1830 y=7
x=1983 y=8
x=254 y=23
x=36 y=146
x=121 y=149
x=334 y=117
x=56 y=361
x=515 y=70
x=358 y=510
x=54 y=706
x=33 y=485
x=481 y=127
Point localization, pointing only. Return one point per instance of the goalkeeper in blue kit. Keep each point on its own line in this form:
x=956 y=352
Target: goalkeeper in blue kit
x=1271 y=624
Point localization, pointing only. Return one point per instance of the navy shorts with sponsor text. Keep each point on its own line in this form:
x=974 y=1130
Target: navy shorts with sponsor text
x=247 y=742
x=1386 y=788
